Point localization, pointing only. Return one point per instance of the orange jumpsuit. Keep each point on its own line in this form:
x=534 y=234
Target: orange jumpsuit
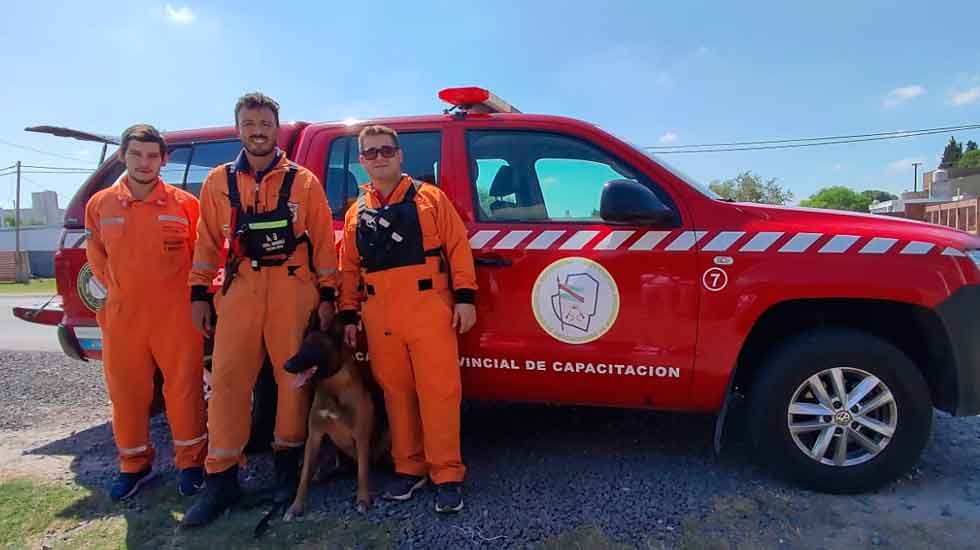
x=408 y=315
x=141 y=251
x=265 y=311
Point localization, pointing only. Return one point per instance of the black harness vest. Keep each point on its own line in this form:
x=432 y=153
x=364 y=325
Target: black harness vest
x=391 y=236
x=267 y=238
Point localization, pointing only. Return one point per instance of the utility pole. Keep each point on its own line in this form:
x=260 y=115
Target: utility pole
x=17 y=259
x=915 y=176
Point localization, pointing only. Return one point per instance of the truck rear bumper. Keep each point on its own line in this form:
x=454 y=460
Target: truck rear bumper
x=82 y=343
x=961 y=315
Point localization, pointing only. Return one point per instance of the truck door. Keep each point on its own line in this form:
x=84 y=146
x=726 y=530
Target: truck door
x=572 y=308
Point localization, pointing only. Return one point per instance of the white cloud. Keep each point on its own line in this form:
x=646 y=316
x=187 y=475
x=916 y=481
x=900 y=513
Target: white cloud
x=898 y=96
x=669 y=137
x=965 y=98
x=838 y=167
x=181 y=16
x=902 y=165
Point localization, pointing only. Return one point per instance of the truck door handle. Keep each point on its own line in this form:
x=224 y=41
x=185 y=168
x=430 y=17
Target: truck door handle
x=492 y=261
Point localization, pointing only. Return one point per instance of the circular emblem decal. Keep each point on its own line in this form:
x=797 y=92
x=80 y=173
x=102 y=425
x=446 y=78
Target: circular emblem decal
x=90 y=289
x=575 y=300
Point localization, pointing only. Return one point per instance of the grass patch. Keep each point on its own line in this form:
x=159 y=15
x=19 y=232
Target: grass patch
x=27 y=509
x=34 y=286
x=35 y=514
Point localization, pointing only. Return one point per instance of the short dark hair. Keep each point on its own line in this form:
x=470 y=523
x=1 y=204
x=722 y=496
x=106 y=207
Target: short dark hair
x=376 y=130
x=257 y=100
x=145 y=133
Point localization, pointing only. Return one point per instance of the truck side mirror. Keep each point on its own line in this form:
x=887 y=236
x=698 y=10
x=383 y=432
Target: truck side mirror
x=631 y=202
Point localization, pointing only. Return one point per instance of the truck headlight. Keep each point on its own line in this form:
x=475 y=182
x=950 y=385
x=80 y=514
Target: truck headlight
x=974 y=255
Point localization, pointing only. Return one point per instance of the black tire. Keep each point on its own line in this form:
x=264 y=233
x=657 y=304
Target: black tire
x=793 y=363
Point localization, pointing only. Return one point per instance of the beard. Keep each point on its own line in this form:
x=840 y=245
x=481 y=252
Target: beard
x=137 y=179
x=260 y=150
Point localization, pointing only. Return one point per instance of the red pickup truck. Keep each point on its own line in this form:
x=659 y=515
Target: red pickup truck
x=608 y=278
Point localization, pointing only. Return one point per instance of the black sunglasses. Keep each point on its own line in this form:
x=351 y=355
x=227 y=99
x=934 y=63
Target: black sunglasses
x=387 y=151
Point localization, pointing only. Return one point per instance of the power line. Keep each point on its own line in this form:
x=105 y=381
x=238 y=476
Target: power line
x=32 y=182
x=57 y=167
x=914 y=133
x=48 y=172
x=772 y=141
x=49 y=153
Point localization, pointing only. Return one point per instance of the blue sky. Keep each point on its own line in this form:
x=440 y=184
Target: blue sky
x=650 y=72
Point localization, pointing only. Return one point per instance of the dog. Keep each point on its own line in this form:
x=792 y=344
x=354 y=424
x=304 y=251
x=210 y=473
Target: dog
x=347 y=407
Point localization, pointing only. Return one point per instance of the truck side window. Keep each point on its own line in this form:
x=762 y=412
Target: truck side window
x=537 y=176
x=345 y=175
x=205 y=157
x=173 y=171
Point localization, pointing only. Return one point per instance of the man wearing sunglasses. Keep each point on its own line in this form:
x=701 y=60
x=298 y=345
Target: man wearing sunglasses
x=398 y=240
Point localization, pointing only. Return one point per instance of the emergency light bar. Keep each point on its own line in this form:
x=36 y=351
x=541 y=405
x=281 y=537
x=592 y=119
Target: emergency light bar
x=476 y=100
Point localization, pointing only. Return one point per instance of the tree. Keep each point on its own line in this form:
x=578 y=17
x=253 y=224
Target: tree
x=971 y=146
x=951 y=154
x=874 y=195
x=970 y=159
x=749 y=187
x=838 y=198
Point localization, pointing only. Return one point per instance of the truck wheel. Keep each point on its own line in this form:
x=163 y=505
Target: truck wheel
x=840 y=411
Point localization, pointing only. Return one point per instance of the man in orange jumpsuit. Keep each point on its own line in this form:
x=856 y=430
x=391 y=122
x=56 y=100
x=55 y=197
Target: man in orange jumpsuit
x=141 y=238
x=398 y=238
x=282 y=266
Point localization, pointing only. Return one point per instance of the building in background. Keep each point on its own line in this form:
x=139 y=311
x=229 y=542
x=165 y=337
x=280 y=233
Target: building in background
x=40 y=230
x=950 y=197
x=43 y=211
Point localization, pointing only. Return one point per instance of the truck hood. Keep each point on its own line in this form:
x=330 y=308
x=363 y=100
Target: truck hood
x=784 y=218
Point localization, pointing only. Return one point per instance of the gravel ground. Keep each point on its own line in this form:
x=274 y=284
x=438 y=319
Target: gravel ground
x=551 y=476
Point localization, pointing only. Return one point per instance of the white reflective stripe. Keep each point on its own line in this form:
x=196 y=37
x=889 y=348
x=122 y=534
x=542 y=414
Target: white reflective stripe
x=685 y=241
x=950 y=251
x=578 y=240
x=878 y=245
x=112 y=221
x=133 y=450
x=224 y=453
x=649 y=240
x=338 y=234
x=89 y=333
x=917 y=248
x=544 y=240
x=839 y=244
x=800 y=242
x=722 y=241
x=170 y=218
x=482 y=237
x=189 y=442
x=761 y=241
x=511 y=240
x=284 y=443
x=203 y=265
x=613 y=240
x=326 y=271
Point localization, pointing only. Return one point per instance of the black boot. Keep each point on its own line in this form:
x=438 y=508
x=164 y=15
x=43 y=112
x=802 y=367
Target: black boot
x=287 y=474
x=221 y=491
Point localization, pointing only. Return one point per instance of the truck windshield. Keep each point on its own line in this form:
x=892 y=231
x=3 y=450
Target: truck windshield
x=703 y=189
